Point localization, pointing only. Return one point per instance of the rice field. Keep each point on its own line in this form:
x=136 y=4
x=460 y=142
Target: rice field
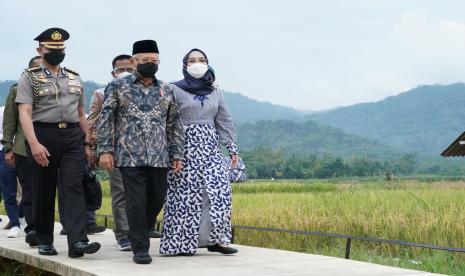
x=401 y=210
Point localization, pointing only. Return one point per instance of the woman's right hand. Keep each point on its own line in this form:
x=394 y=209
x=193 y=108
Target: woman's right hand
x=40 y=154
x=234 y=160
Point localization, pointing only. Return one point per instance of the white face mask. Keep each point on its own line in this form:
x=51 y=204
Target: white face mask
x=122 y=75
x=197 y=70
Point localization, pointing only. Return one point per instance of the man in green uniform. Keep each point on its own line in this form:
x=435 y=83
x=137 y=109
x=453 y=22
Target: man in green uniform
x=15 y=154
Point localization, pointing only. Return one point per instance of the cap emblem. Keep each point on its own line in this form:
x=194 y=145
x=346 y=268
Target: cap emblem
x=56 y=36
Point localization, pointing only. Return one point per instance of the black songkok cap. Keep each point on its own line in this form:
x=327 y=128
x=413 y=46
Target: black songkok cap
x=145 y=46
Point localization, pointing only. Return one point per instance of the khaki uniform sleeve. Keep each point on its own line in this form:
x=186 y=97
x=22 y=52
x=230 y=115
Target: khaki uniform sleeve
x=81 y=98
x=24 y=93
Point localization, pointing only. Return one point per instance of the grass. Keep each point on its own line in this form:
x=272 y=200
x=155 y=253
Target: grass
x=424 y=211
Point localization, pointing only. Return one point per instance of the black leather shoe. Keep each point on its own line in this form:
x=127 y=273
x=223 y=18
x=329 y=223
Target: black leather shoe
x=94 y=228
x=222 y=249
x=31 y=238
x=153 y=234
x=142 y=258
x=45 y=249
x=78 y=249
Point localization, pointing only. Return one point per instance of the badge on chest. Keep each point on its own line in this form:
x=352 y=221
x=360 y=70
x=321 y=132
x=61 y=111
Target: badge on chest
x=47 y=88
x=75 y=87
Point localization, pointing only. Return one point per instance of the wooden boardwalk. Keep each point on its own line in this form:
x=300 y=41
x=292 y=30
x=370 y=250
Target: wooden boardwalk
x=251 y=261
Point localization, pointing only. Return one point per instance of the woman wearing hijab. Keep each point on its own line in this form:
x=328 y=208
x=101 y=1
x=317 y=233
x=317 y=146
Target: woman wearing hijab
x=198 y=203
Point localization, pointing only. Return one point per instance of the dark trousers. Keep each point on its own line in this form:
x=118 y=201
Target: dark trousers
x=24 y=172
x=66 y=148
x=90 y=215
x=9 y=190
x=144 y=192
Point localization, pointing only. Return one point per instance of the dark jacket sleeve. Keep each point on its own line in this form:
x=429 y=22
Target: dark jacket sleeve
x=10 y=119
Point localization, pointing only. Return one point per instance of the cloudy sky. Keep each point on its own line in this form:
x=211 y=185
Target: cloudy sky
x=310 y=55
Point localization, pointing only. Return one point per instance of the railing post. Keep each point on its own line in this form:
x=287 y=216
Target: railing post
x=348 y=248
x=233 y=234
x=106 y=222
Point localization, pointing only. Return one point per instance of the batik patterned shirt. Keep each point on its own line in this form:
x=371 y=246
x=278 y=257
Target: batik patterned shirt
x=140 y=125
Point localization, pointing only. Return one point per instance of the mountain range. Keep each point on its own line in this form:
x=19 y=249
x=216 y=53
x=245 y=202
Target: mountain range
x=309 y=137
x=424 y=120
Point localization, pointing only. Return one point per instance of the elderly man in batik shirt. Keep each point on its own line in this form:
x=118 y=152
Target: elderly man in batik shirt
x=141 y=114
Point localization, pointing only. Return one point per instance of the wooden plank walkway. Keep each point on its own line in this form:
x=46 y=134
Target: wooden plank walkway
x=251 y=261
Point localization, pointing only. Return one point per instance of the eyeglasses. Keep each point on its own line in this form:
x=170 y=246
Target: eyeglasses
x=119 y=70
x=147 y=60
x=200 y=60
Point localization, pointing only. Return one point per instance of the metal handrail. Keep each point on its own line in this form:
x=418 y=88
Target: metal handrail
x=348 y=238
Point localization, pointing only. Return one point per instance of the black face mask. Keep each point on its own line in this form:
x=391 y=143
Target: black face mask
x=147 y=70
x=54 y=58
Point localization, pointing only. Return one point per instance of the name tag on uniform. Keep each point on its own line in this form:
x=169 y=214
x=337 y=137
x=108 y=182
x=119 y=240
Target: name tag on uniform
x=74 y=83
x=45 y=91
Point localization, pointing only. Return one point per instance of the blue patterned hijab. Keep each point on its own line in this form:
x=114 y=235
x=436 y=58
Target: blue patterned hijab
x=199 y=87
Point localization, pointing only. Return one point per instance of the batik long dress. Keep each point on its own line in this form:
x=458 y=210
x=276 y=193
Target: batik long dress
x=198 y=202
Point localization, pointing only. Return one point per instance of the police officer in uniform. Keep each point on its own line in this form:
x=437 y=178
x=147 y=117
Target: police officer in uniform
x=50 y=101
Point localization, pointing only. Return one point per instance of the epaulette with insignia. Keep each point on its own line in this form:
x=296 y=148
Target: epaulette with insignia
x=71 y=71
x=35 y=83
x=33 y=69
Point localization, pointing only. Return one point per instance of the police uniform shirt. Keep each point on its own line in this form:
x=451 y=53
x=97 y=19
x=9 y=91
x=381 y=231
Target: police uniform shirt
x=57 y=98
